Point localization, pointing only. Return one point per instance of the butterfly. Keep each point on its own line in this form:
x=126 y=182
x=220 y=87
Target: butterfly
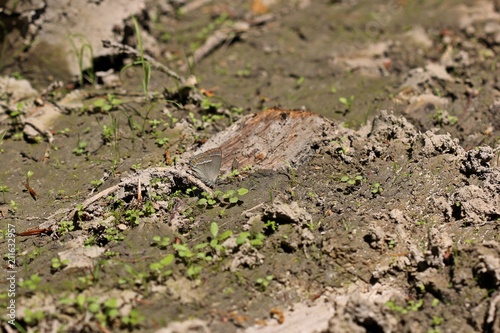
x=206 y=166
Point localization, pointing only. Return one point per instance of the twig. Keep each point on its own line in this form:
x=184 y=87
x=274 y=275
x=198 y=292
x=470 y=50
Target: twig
x=195 y=4
x=135 y=179
x=226 y=34
x=155 y=64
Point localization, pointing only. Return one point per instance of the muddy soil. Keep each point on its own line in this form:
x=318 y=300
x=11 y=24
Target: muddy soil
x=389 y=224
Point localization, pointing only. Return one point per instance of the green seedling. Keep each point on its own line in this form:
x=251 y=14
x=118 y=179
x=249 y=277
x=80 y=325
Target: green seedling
x=133 y=319
x=232 y=196
x=27 y=185
x=57 y=264
x=136 y=167
x=1 y=141
x=263 y=283
x=65 y=227
x=106 y=104
x=271 y=225
x=411 y=307
x=154 y=123
x=13 y=206
x=145 y=64
x=80 y=55
x=299 y=82
x=96 y=183
x=441 y=118
x=158 y=268
x=4 y=189
x=161 y=242
x=132 y=216
x=81 y=148
x=217 y=239
x=347 y=102
x=351 y=180
x=160 y=142
x=245 y=72
x=208 y=104
x=207 y=200
x=244 y=236
x=148 y=208
x=110 y=133
x=113 y=234
x=376 y=188
x=31 y=284
x=33 y=317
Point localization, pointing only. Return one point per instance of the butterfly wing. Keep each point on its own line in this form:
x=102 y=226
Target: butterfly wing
x=206 y=166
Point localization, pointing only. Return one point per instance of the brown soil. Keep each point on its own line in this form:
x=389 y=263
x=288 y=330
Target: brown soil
x=390 y=224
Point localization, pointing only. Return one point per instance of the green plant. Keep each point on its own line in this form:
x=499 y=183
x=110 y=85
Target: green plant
x=351 y=180
x=161 y=242
x=232 y=196
x=57 y=264
x=13 y=206
x=245 y=236
x=158 y=268
x=191 y=257
x=206 y=199
x=80 y=56
x=132 y=319
x=441 y=118
x=148 y=208
x=263 y=283
x=1 y=140
x=132 y=216
x=376 y=188
x=245 y=72
x=411 y=307
x=31 y=283
x=4 y=189
x=65 y=227
x=145 y=64
x=299 y=82
x=96 y=183
x=33 y=317
x=160 y=142
x=81 y=147
x=106 y=104
x=207 y=103
x=271 y=225
x=217 y=239
x=347 y=102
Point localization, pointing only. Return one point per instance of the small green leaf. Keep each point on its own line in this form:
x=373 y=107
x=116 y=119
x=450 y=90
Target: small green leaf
x=242 y=191
x=111 y=303
x=214 y=229
x=200 y=246
x=99 y=102
x=167 y=260
x=225 y=235
x=242 y=237
x=94 y=307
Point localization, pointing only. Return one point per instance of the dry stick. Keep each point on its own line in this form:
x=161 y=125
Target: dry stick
x=226 y=34
x=195 y=4
x=106 y=192
x=155 y=64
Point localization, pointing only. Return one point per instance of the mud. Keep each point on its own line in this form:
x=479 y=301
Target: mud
x=385 y=220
